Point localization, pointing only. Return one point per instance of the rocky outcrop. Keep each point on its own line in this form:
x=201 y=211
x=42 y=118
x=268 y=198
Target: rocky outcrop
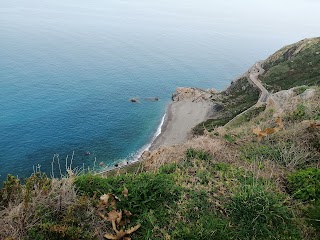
x=193 y=94
x=308 y=94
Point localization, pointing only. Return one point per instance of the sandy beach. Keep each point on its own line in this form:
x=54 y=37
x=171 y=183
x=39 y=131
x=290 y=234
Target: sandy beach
x=181 y=117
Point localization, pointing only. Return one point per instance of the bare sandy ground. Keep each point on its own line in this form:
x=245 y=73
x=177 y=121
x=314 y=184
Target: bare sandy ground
x=181 y=117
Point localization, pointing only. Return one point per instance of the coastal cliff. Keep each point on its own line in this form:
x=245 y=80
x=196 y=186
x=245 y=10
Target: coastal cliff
x=242 y=163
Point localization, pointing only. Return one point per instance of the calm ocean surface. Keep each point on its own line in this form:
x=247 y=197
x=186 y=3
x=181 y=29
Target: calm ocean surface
x=68 y=68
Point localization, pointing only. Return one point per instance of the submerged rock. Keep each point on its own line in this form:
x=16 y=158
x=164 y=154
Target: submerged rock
x=134 y=100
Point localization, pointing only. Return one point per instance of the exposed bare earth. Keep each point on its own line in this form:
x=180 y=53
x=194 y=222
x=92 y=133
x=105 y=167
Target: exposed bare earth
x=181 y=117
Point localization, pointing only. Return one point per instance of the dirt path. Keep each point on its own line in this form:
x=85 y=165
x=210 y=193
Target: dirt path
x=253 y=77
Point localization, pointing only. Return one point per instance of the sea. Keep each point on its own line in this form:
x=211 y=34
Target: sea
x=68 y=70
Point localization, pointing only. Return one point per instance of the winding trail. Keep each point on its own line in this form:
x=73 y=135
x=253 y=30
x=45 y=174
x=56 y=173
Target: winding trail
x=253 y=77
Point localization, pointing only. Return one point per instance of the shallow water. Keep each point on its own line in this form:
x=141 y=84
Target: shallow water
x=68 y=69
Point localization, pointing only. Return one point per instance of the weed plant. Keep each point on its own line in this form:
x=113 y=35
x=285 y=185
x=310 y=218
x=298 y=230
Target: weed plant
x=305 y=184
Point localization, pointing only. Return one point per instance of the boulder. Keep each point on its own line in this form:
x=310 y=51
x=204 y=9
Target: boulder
x=308 y=94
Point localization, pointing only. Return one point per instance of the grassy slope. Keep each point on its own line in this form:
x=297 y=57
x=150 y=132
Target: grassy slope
x=240 y=96
x=240 y=189
x=286 y=68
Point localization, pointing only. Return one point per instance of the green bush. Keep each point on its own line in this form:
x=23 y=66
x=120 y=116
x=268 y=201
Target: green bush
x=151 y=197
x=305 y=184
x=258 y=213
x=10 y=191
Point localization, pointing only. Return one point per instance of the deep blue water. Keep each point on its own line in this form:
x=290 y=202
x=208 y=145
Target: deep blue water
x=68 y=70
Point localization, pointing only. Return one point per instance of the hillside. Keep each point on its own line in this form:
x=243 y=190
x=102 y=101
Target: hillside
x=294 y=65
x=251 y=172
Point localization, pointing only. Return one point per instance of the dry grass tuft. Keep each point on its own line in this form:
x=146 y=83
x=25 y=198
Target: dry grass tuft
x=20 y=215
x=44 y=201
x=176 y=153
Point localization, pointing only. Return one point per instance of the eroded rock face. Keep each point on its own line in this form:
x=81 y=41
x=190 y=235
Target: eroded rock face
x=192 y=94
x=308 y=94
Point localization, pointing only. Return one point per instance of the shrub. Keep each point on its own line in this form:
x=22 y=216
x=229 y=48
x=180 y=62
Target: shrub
x=314 y=138
x=10 y=191
x=305 y=184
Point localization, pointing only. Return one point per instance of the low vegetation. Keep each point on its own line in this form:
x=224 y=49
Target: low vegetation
x=240 y=96
x=294 y=65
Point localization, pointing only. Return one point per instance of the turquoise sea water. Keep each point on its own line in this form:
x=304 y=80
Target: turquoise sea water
x=68 y=69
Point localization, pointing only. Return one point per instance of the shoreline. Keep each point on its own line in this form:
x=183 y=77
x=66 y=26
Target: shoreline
x=163 y=128
x=175 y=128
x=137 y=156
x=181 y=118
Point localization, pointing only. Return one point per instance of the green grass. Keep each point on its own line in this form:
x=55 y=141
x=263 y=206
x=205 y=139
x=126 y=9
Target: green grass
x=185 y=200
x=240 y=96
x=258 y=151
x=305 y=184
x=258 y=213
x=247 y=116
x=313 y=215
x=196 y=198
x=301 y=69
x=210 y=125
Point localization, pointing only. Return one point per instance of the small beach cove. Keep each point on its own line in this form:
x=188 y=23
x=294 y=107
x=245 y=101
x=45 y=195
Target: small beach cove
x=181 y=117
x=189 y=107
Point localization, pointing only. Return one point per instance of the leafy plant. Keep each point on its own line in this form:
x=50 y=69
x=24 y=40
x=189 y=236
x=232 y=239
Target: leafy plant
x=305 y=184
